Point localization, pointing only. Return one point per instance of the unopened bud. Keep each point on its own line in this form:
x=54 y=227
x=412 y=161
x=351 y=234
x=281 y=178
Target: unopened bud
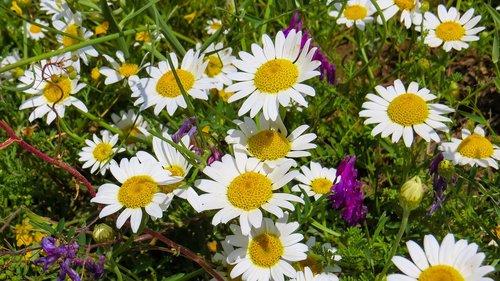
x=424 y=64
x=446 y=169
x=103 y=233
x=74 y=58
x=411 y=193
x=72 y=75
x=454 y=90
x=425 y=6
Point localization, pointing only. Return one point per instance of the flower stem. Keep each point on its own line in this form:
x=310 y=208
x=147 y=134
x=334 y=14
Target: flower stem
x=395 y=245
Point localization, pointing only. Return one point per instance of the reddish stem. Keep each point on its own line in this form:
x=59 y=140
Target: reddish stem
x=185 y=252
x=44 y=157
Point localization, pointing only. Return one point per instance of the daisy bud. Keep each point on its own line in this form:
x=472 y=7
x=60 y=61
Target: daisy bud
x=74 y=58
x=425 y=6
x=103 y=233
x=446 y=169
x=454 y=90
x=411 y=193
x=424 y=64
x=72 y=75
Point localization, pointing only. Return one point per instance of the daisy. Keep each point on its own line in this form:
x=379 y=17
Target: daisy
x=473 y=149
x=450 y=29
x=34 y=31
x=220 y=64
x=52 y=89
x=266 y=253
x=176 y=164
x=307 y=275
x=131 y=123
x=449 y=261
x=400 y=111
x=120 y=70
x=54 y=8
x=99 y=152
x=220 y=258
x=162 y=90
x=410 y=11
x=355 y=12
x=273 y=75
x=71 y=23
x=241 y=187
x=315 y=181
x=271 y=143
x=139 y=189
x=213 y=25
x=12 y=74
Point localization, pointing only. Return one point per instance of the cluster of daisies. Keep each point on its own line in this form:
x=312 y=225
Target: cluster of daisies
x=447 y=28
x=247 y=185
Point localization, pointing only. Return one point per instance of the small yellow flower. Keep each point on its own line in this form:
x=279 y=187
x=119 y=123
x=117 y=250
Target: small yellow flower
x=23 y=233
x=95 y=74
x=190 y=17
x=102 y=29
x=143 y=36
x=27 y=256
x=206 y=129
x=212 y=246
x=14 y=7
x=497 y=231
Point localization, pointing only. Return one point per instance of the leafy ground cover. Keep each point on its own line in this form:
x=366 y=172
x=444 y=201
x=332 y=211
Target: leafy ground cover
x=249 y=140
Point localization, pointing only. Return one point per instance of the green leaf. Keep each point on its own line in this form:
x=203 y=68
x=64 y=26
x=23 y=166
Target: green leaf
x=475 y=118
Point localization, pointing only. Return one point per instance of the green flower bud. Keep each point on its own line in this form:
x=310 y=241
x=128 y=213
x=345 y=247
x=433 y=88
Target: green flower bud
x=74 y=58
x=72 y=75
x=411 y=193
x=70 y=69
x=446 y=169
x=454 y=90
x=425 y=6
x=424 y=64
x=103 y=233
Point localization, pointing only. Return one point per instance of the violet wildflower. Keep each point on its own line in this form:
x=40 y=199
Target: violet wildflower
x=62 y=254
x=187 y=127
x=215 y=156
x=327 y=69
x=95 y=269
x=442 y=172
x=347 y=194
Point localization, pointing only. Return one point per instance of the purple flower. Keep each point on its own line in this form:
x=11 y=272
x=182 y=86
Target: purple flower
x=186 y=128
x=327 y=69
x=215 y=156
x=442 y=172
x=64 y=254
x=347 y=194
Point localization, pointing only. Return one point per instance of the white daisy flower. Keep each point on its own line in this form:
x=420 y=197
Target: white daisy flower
x=12 y=74
x=131 y=123
x=307 y=275
x=55 y=8
x=52 y=89
x=450 y=29
x=119 y=70
x=400 y=111
x=355 y=12
x=220 y=64
x=241 y=187
x=266 y=253
x=162 y=90
x=271 y=143
x=213 y=25
x=220 y=258
x=473 y=149
x=273 y=75
x=315 y=181
x=99 y=153
x=410 y=11
x=35 y=32
x=72 y=24
x=138 y=190
x=176 y=164
x=449 y=261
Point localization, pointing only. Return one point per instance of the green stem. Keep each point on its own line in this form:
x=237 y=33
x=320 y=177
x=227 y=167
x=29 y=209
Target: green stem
x=395 y=245
x=69 y=132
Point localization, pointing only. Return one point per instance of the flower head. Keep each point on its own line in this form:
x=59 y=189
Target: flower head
x=131 y=124
x=35 y=32
x=400 y=111
x=99 y=153
x=214 y=25
x=347 y=194
x=63 y=254
x=11 y=58
x=220 y=64
x=410 y=11
x=120 y=69
x=411 y=193
x=355 y=12
x=449 y=261
x=315 y=181
x=451 y=30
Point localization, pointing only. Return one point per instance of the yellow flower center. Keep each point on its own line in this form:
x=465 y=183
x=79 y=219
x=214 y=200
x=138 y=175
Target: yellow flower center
x=128 y=69
x=167 y=86
x=57 y=89
x=475 y=146
x=249 y=191
x=265 y=250
x=313 y=262
x=275 y=76
x=355 y=12
x=74 y=30
x=440 y=273
x=137 y=192
x=405 y=4
x=269 y=145
x=132 y=130
x=408 y=109
x=321 y=185
x=35 y=28
x=176 y=171
x=102 y=151
x=450 y=31
x=214 y=66
x=215 y=25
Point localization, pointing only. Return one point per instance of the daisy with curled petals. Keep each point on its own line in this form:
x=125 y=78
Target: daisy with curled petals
x=355 y=12
x=266 y=253
x=220 y=64
x=162 y=90
x=241 y=187
x=119 y=70
x=52 y=89
x=139 y=190
x=454 y=261
x=400 y=111
x=451 y=30
x=34 y=31
x=315 y=181
x=273 y=75
x=269 y=141
x=473 y=149
x=176 y=164
x=410 y=11
x=99 y=153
